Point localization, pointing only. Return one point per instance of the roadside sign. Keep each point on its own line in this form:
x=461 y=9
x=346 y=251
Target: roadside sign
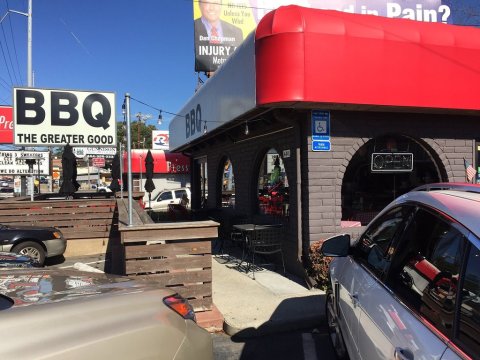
x=6 y=125
x=320 y=145
x=14 y=162
x=98 y=162
x=47 y=117
x=91 y=152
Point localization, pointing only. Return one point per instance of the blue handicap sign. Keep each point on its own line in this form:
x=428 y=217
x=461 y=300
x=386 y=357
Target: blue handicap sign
x=320 y=145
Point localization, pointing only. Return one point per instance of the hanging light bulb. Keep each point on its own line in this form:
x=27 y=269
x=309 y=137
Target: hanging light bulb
x=246 y=128
x=205 y=127
x=160 y=118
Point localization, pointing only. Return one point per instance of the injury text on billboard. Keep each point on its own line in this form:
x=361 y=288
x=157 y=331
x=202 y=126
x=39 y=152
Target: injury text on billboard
x=13 y=162
x=55 y=118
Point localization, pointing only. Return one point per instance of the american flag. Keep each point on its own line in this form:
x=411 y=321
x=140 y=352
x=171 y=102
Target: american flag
x=469 y=170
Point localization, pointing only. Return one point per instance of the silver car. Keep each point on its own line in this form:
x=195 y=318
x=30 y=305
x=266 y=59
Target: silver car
x=67 y=314
x=409 y=287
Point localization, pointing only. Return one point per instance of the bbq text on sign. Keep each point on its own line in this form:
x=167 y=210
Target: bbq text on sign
x=46 y=117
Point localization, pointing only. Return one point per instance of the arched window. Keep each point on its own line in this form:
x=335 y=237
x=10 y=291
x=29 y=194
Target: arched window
x=273 y=194
x=380 y=171
x=228 y=185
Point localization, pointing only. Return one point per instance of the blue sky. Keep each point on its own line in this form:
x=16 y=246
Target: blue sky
x=143 y=47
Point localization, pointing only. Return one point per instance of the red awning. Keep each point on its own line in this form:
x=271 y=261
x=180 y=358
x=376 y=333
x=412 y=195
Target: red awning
x=164 y=162
x=322 y=56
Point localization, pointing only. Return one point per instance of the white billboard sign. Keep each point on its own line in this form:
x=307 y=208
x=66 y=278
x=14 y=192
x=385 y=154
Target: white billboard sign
x=15 y=162
x=48 y=117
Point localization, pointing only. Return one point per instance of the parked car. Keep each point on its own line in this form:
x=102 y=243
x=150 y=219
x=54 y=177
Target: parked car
x=174 y=196
x=69 y=314
x=409 y=287
x=6 y=192
x=35 y=241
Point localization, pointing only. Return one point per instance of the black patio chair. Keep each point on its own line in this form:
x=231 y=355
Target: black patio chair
x=265 y=241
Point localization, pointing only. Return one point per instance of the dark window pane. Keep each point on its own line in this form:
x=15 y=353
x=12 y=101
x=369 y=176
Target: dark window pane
x=374 y=248
x=429 y=265
x=469 y=334
x=165 y=196
x=180 y=193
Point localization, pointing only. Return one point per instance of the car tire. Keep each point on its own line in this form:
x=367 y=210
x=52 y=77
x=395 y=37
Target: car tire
x=334 y=329
x=32 y=249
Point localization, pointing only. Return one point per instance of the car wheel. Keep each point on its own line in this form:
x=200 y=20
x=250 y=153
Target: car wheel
x=334 y=329
x=32 y=249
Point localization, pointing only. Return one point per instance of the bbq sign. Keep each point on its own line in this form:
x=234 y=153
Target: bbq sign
x=47 y=117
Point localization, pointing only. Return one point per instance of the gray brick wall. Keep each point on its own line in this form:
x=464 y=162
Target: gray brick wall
x=449 y=138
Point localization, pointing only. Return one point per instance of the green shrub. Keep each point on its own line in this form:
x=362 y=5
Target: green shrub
x=318 y=265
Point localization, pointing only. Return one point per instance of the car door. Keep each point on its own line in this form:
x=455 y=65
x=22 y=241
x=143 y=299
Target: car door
x=406 y=317
x=360 y=275
x=466 y=341
x=165 y=198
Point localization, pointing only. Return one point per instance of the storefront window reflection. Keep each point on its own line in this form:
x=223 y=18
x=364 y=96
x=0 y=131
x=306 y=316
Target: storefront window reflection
x=273 y=195
x=228 y=185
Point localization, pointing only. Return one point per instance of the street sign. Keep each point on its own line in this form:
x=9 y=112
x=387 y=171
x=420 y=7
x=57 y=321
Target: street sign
x=98 y=162
x=320 y=145
x=320 y=125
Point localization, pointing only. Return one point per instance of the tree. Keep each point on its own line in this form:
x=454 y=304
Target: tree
x=140 y=133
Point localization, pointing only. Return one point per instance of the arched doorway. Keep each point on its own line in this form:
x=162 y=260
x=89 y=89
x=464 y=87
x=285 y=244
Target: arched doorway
x=273 y=188
x=383 y=169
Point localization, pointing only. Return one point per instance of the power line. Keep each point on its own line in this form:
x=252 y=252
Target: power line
x=14 y=46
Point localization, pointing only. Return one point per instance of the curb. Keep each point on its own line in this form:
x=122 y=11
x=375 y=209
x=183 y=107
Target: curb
x=274 y=326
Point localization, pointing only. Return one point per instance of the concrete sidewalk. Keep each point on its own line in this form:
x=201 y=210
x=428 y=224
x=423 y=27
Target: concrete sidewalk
x=270 y=303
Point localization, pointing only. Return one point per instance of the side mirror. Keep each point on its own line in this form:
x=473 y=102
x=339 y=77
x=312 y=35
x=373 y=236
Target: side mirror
x=336 y=246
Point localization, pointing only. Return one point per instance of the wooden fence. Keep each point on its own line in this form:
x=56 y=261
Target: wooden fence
x=177 y=255
x=77 y=219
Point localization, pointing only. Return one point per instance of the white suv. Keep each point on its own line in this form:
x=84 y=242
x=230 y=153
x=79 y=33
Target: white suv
x=174 y=196
x=409 y=287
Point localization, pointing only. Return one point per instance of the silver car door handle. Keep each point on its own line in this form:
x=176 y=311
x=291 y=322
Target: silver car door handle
x=402 y=354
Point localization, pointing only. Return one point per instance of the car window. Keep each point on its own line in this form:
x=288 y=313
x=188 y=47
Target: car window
x=374 y=247
x=469 y=326
x=165 y=196
x=180 y=193
x=426 y=268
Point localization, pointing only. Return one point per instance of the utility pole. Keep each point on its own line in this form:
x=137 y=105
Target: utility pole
x=23 y=185
x=141 y=118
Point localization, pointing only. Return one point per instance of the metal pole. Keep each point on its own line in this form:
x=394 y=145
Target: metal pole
x=141 y=179
x=121 y=171
x=29 y=55
x=31 y=182
x=129 y=160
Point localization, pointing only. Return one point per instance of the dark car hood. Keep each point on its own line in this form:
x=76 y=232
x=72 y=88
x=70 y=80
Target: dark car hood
x=41 y=286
